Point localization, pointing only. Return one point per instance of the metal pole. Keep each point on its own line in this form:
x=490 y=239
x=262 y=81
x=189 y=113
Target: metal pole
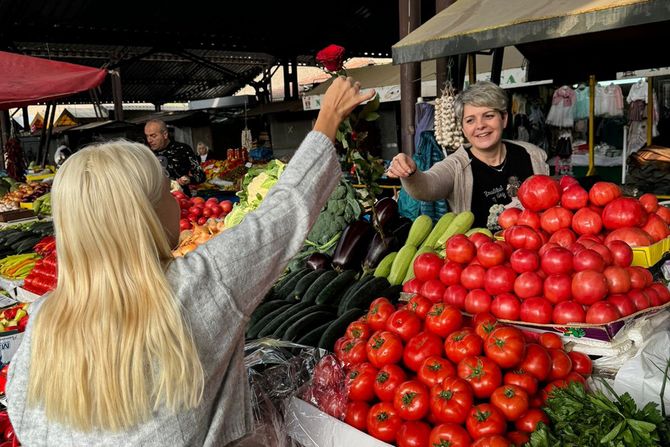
x=287 y=79
x=6 y=134
x=117 y=94
x=592 y=102
x=410 y=76
x=50 y=123
x=472 y=68
x=26 y=121
x=43 y=131
x=496 y=64
x=442 y=64
x=650 y=110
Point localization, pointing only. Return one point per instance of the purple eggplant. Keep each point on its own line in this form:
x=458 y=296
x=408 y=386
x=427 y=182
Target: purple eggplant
x=387 y=211
x=351 y=248
x=378 y=248
x=400 y=229
x=317 y=261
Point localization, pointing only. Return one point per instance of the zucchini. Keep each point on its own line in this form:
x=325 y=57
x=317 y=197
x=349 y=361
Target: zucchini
x=304 y=283
x=306 y=324
x=419 y=231
x=318 y=285
x=263 y=310
x=312 y=337
x=332 y=293
x=364 y=295
x=285 y=290
x=268 y=330
x=439 y=228
x=392 y=293
x=401 y=263
x=279 y=283
x=288 y=319
x=485 y=231
x=260 y=324
x=384 y=267
x=336 y=328
x=356 y=285
x=461 y=223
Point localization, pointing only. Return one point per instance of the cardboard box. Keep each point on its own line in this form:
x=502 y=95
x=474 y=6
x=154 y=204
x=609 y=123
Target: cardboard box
x=311 y=427
x=9 y=343
x=21 y=213
x=25 y=296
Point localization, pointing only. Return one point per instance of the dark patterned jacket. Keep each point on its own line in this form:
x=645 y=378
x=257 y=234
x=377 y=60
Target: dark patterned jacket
x=179 y=160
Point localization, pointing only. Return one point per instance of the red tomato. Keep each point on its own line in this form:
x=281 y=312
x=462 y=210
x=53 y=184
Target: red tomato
x=484 y=324
x=551 y=341
x=492 y=441
x=451 y=400
x=639 y=299
x=555 y=219
x=482 y=373
x=477 y=301
x=383 y=422
x=485 y=420
x=564 y=237
x=567 y=312
x=511 y=400
x=622 y=254
x=472 y=277
x=567 y=181
x=455 y=295
x=420 y=347
x=574 y=198
x=623 y=212
x=618 y=279
x=603 y=193
x=581 y=363
x=654 y=299
x=357 y=415
x=662 y=291
x=656 y=227
x=561 y=365
x=427 y=266
x=587 y=221
x=539 y=192
x=523 y=236
x=536 y=310
x=184 y=224
x=358 y=329
x=529 y=218
x=420 y=305
x=528 y=284
x=536 y=362
x=450 y=273
x=556 y=261
x=202 y=221
x=506 y=346
x=479 y=239
x=528 y=422
x=387 y=381
x=602 y=312
x=603 y=251
x=664 y=213
x=383 y=348
x=522 y=379
x=490 y=254
x=451 y=435
x=506 y=306
x=404 y=323
x=360 y=382
x=412 y=286
x=588 y=259
x=226 y=206
x=499 y=279
x=649 y=202
x=549 y=388
x=524 y=260
x=574 y=376
x=412 y=400
x=443 y=319
x=433 y=289
x=640 y=277
x=508 y=217
x=518 y=438
x=460 y=249
x=434 y=370
x=413 y=434
x=462 y=344
x=351 y=352
x=633 y=236
x=622 y=303
x=588 y=287
x=380 y=310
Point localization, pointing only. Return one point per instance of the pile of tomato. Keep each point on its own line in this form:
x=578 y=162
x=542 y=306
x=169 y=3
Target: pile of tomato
x=196 y=210
x=422 y=374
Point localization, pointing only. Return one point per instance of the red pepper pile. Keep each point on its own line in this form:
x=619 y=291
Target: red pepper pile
x=43 y=277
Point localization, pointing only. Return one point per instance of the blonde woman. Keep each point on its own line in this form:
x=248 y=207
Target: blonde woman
x=135 y=347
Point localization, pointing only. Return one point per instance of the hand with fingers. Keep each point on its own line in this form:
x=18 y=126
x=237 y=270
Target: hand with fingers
x=401 y=166
x=339 y=101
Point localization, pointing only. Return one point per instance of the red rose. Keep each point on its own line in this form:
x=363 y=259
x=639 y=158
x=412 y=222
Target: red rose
x=331 y=57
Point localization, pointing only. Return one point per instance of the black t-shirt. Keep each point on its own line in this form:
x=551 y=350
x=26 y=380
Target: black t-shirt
x=178 y=159
x=489 y=186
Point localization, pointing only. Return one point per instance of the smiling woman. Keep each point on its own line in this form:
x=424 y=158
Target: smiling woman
x=478 y=174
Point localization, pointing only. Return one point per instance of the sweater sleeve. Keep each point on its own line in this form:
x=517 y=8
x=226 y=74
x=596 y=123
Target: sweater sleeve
x=244 y=261
x=434 y=184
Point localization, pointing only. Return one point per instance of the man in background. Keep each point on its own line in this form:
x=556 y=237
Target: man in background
x=178 y=159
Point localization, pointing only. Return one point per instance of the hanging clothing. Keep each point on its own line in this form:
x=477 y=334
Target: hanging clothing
x=424 y=119
x=638 y=92
x=609 y=100
x=562 y=104
x=582 y=102
x=518 y=104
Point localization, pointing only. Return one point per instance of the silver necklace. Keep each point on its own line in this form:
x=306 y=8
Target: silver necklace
x=500 y=169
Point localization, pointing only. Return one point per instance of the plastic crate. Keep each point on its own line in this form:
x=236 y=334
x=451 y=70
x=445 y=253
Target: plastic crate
x=649 y=256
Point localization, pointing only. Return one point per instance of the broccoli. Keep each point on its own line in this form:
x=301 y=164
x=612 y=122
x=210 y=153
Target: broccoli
x=341 y=209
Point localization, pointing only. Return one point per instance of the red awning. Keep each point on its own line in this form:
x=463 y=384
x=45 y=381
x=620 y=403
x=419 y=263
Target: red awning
x=26 y=80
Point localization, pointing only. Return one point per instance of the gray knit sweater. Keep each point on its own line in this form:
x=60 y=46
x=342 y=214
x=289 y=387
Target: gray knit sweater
x=218 y=285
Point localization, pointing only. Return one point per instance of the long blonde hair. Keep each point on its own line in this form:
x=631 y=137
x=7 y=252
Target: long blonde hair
x=109 y=345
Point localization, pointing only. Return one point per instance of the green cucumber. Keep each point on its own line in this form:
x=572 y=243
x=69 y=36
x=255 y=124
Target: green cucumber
x=306 y=324
x=318 y=285
x=263 y=310
x=392 y=293
x=332 y=293
x=336 y=328
x=304 y=283
x=364 y=295
x=260 y=324
x=312 y=337
x=287 y=288
x=289 y=319
x=268 y=330
x=357 y=285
